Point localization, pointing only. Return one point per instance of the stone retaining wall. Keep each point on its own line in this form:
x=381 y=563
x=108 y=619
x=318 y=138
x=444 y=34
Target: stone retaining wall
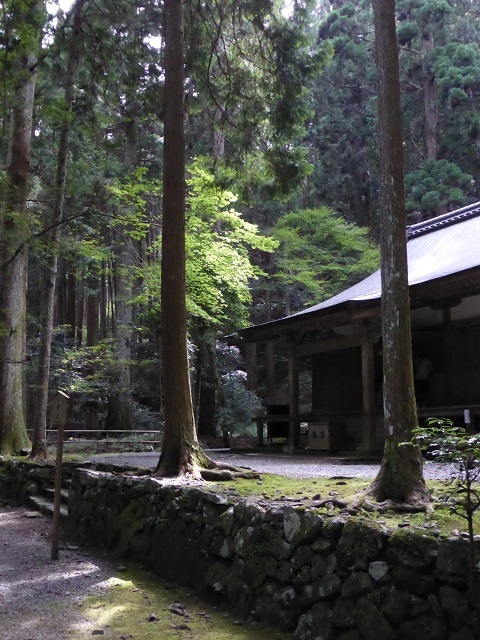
x=324 y=578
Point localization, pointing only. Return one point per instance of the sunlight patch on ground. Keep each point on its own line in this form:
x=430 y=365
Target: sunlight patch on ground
x=142 y=606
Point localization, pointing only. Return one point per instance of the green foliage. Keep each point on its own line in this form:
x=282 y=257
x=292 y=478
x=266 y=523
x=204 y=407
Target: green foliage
x=218 y=241
x=131 y=196
x=235 y=415
x=258 y=68
x=342 y=132
x=436 y=185
x=218 y=266
x=321 y=254
x=457 y=67
x=448 y=443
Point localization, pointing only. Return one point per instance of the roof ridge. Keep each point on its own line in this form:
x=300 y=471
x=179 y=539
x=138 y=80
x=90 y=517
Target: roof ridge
x=447 y=219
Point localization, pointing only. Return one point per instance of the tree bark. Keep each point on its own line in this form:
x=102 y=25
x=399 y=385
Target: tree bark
x=119 y=412
x=181 y=452
x=429 y=98
x=71 y=311
x=80 y=313
x=400 y=477
x=92 y=338
x=39 y=441
x=14 y=228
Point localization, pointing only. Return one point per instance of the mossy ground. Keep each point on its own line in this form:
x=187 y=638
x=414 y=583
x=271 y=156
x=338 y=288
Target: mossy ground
x=439 y=521
x=137 y=604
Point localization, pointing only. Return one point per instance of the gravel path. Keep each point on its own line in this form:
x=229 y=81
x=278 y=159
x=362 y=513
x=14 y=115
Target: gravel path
x=39 y=598
x=296 y=466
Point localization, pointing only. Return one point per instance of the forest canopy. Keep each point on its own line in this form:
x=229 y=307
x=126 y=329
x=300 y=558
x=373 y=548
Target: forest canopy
x=281 y=192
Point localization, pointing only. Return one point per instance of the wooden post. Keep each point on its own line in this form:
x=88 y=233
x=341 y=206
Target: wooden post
x=58 y=492
x=251 y=365
x=368 y=385
x=293 y=392
x=260 y=427
x=270 y=358
x=447 y=338
x=252 y=380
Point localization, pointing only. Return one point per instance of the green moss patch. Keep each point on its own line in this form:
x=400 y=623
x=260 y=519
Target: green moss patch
x=279 y=489
x=136 y=604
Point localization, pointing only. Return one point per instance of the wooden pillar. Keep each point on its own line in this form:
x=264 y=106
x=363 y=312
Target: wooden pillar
x=252 y=381
x=368 y=385
x=270 y=345
x=251 y=365
x=293 y=393
x=270 y=358
x=448 y=346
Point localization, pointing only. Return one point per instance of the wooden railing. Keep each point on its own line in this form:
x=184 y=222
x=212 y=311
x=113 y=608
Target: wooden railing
x=101 y=437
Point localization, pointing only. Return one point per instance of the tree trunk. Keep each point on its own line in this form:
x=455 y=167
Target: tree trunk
x=92 y=338
x=103 y=302
x=39 y=442
x=71 y=310
x=14 y=228
x=400 y=477
x=269 y=350
x=80 y=313
x=181 y=452
x=429 y=98
x=119 y=413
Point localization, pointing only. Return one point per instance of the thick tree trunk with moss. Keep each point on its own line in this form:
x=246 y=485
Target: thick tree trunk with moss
x=14 y=228
x=13 y=281
x=400 y=477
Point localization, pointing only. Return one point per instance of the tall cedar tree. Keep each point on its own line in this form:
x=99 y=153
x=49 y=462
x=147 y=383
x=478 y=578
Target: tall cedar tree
x=181 y=452
x=400 y=477
x=25 y=23
x=39 y=439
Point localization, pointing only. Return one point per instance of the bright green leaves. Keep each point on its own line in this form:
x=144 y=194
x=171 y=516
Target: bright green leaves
x=321 y=254
x=218 y=241
x=132 y=197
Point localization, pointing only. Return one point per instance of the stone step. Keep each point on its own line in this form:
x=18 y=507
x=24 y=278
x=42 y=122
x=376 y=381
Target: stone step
x=50 y=492
x=45 y=506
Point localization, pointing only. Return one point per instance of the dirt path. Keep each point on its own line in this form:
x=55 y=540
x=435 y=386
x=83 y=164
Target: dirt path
x=86 y=594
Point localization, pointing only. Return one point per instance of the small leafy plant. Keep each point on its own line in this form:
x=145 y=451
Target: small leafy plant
x=445 y=442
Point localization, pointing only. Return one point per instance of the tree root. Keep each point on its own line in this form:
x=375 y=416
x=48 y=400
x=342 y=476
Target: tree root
x=228 y=474
x=366 y=503
x=333 y=501
x=207 y=469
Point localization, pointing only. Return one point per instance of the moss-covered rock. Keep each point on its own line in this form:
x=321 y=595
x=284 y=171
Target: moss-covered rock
x=409 y=549
x=359 y=545
x=370 y=622
x=301 y=526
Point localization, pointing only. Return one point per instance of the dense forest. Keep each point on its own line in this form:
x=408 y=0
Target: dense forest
x=282 y=205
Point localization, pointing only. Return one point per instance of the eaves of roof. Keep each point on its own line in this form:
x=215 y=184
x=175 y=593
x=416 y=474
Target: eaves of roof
x=438 y=250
